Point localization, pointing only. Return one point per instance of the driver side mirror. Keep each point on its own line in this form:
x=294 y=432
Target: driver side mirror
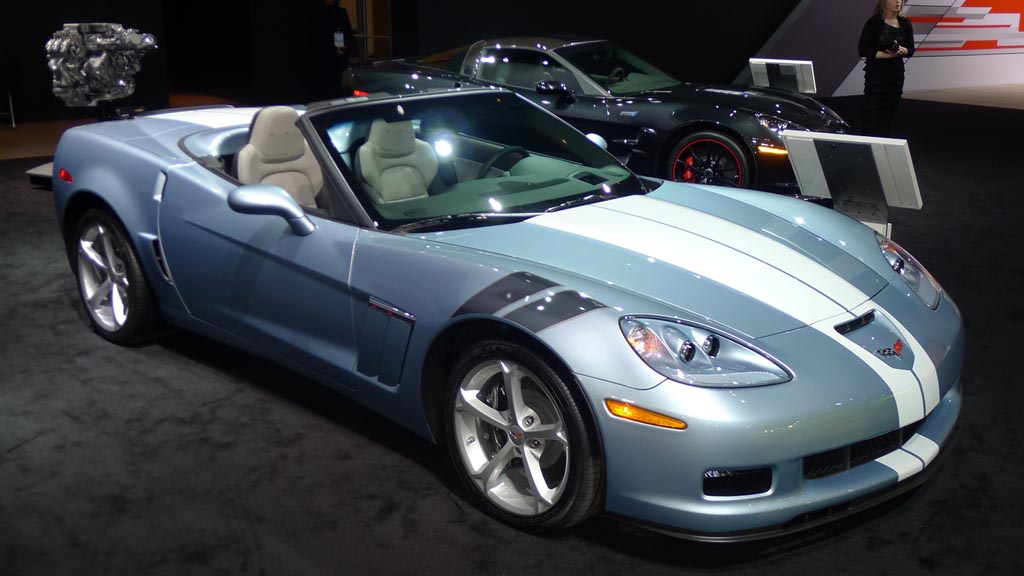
x=269 y=200
x=556 y=89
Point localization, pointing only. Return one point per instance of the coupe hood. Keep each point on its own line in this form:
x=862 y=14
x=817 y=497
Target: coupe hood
x=724 y=260
x=791 y=106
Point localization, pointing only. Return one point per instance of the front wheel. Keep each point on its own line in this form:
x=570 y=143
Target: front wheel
x=709 y=158
x=111 y=283
x=518 y=438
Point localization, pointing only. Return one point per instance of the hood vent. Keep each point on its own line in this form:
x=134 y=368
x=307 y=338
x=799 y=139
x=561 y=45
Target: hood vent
x=856 y=323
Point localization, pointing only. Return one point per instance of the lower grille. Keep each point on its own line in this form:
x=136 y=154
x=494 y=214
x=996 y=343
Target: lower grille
x=846 y=457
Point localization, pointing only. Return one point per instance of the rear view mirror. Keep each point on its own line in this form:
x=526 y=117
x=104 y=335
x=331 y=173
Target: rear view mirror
x=597 y=139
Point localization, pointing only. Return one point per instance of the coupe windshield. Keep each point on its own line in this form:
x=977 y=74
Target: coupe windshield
x=465 y=159
x=618 y=70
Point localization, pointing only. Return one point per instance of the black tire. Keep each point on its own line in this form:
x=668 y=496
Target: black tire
x=709 y=158
x=111 y=283
x=568 y=489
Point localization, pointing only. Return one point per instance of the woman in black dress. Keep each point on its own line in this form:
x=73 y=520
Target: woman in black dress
x=886 y=40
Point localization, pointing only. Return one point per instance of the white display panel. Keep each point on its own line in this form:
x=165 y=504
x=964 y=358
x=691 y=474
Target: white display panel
x=792 y=75
x=863 y=175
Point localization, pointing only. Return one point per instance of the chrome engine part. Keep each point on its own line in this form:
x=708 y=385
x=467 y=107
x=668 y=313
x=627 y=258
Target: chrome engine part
x=94 y=62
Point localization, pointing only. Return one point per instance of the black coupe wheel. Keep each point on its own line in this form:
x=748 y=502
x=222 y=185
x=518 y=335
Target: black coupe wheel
x=709 y=158
x=518 y=438
x=111 y=283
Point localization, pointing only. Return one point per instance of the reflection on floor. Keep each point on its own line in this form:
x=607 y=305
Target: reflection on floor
x=1001 y=96
x=37 y=139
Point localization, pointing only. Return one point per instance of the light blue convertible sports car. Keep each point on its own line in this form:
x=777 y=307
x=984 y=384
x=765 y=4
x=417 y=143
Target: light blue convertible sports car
x=717 y=363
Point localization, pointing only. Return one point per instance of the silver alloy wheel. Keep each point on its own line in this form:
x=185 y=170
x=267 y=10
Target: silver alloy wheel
x=102 y=278
x=512 y=437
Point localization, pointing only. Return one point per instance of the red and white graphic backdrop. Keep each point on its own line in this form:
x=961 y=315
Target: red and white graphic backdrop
x=961 y=45
x=958 y=27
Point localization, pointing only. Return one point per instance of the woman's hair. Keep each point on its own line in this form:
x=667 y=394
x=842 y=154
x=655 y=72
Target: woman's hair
x=880 y=7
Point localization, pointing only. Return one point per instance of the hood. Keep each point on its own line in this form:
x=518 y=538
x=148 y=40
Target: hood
x=703 y=254
x=791 y=106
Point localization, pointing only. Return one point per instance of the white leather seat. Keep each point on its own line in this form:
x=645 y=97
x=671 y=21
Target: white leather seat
x=394 y=165
x=277 y=154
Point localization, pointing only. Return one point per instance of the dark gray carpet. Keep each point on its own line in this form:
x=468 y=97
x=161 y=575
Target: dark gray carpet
x=185 y=457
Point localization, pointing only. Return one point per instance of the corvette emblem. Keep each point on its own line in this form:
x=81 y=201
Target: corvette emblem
x=896 y=350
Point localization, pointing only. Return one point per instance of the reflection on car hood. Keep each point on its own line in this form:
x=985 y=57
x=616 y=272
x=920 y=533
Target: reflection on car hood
x=790 y=106
x=706 y=254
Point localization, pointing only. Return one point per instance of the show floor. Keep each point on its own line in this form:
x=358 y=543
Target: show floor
x=186 y=457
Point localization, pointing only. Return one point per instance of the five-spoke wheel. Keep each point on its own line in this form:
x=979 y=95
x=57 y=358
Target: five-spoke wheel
x=518 y=438
x=111 y=283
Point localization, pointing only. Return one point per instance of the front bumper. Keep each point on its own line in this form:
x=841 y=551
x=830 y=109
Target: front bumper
x=655 y=476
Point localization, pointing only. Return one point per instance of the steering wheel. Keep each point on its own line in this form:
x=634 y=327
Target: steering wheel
x=616 y=75
x=506 y=151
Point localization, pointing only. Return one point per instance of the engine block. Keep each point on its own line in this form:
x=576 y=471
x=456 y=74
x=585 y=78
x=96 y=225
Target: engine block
x=94 y=62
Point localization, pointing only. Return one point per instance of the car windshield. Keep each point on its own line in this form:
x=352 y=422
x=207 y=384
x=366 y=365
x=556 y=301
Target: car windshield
x=465 y=159
x=617 y=70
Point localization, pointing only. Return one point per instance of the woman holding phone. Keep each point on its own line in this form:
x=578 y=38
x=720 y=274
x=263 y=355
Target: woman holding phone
x=887 y=38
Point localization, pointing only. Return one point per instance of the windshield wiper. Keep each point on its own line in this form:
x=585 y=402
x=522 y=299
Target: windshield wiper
x=466 y=217
x=589 y=198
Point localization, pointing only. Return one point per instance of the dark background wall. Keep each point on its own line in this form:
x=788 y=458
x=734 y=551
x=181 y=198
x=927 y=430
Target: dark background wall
x=691 y=40
x=258 y=51
x=32 y=23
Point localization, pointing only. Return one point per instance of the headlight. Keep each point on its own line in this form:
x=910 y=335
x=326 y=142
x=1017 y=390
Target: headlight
x=776 y=124
x=919 y=280
x=697 y=356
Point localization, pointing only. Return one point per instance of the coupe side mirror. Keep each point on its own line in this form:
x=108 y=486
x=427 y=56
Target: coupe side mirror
x=268 y=200
x=556 y=89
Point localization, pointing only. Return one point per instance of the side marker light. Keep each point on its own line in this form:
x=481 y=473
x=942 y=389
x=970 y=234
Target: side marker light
x=769 y=150
x=636 y=414
x=65 y=176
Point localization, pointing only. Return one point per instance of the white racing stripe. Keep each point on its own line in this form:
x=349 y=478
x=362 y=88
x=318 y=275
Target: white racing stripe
x=923 y=367
x=746 y=241
x=903 y=463
x=906 y=391
x=725 y=265
x=792 y=283
x=923 y=448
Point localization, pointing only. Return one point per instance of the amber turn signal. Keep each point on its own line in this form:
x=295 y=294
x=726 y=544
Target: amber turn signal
x=769 y=150
x=637 y=414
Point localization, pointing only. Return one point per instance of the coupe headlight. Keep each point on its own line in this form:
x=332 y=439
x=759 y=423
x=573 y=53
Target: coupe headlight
x=919 y=280
x=697 y=356
x=776 y=124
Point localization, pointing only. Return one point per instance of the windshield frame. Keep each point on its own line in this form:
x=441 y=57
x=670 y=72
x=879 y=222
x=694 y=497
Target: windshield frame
x=620 y=180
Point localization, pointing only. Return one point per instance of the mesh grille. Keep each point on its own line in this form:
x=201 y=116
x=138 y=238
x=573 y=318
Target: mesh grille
x=846 y=457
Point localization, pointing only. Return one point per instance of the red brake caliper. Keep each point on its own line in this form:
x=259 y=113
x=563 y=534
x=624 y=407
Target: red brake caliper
x=688 y=172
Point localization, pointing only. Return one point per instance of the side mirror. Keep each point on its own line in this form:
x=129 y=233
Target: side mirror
x=556 y=89
x=597 y=139
x=268 y=200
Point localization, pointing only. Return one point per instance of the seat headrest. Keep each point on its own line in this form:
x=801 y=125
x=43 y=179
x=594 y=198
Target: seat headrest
x=392 y=139
x=275 y=135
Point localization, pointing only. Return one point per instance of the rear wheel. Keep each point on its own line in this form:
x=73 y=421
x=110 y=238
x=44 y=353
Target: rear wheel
x=518 y=439
x=111 y=283
x=709 y=158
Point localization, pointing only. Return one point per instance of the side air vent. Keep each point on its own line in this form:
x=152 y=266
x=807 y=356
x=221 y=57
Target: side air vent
x=158 y=253
x=856 y=323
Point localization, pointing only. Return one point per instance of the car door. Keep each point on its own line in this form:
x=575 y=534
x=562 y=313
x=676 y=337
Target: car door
x=253 y=277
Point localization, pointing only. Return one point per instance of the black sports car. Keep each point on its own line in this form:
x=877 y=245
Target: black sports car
x=656 y=124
